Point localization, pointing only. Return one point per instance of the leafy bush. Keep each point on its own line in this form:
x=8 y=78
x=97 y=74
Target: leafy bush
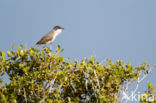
x=42 y=76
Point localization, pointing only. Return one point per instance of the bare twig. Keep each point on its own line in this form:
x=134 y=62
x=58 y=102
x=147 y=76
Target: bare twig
x=50 y=85
x=97 y=79
x=25 y=96
x=43 y=99
x=137 y=85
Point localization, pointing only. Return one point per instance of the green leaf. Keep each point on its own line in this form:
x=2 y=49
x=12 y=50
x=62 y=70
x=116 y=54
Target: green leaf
x=129 y=64
x=21 y=65
x=69 y=99
x=2 y=54
x=149 y=85
x=19 y=48
x=145 y=62
x=42 y=51
x=12 y=46
x=31 y=52
x=22 y=52
x=26 y=69
x=61 y=50
x=58 y=48
x=47 y=50
x=92 y=59
x=9 y=54
x=22 y=46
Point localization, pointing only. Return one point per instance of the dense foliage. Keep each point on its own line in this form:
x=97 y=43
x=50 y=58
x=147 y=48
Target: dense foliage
x=41 y=76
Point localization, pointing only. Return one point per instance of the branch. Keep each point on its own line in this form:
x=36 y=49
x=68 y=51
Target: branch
x=25 y=96
x=97 y=79
x=137 y=85
x=50 y=85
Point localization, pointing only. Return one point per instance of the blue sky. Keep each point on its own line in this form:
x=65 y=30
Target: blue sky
x=115 y=29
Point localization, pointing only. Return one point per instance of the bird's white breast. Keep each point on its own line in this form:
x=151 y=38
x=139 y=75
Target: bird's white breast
x=56 y=33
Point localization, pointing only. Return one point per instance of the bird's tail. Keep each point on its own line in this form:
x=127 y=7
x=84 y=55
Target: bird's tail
x=36 y=45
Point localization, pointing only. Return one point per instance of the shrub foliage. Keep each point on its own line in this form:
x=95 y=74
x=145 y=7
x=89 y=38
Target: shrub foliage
x=45 y=77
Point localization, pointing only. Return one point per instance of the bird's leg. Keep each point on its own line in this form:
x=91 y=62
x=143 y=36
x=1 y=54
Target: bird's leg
x=45 y=46
x=50 y=46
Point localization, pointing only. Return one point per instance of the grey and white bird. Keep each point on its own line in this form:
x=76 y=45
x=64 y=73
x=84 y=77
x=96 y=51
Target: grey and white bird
x=50 y=37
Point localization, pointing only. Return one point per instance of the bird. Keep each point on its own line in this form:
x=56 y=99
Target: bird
x=50 y=36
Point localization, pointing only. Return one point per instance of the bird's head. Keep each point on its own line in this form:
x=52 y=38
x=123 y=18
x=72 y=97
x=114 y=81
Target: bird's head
x=58 y=29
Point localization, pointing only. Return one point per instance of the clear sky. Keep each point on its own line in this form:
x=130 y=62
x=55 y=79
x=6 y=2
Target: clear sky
x=115 y=29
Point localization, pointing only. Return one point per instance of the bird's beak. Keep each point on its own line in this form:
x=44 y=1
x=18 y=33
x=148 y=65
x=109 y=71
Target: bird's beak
x=62 y=28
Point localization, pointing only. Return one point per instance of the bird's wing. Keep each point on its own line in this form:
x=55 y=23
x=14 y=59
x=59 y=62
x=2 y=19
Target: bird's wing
x=44 y=40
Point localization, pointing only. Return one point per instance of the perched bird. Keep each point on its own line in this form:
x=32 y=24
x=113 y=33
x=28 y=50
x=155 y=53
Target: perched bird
x=50 y=37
